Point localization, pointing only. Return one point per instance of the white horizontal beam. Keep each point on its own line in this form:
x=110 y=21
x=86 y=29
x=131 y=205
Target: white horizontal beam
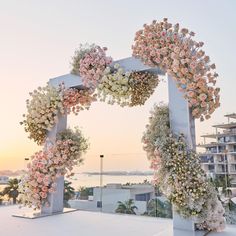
x=128 y=64
x=70 y=81
x=134 y=64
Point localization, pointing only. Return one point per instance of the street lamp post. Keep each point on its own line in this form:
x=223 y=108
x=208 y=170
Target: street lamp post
x=156 y=194
x=101 y=179
x=26 y=160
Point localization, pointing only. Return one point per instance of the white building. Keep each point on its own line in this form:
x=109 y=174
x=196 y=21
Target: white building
x=219 y=157
x=112 y=193
x=4 y=179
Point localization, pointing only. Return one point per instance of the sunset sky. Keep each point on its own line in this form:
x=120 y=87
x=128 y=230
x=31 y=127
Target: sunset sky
x=38 y=39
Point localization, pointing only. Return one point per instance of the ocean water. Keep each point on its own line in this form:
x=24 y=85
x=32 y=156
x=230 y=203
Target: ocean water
x=2 y=186
x=84 y=180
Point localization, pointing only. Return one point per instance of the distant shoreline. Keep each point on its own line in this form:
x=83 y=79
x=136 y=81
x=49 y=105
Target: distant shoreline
x=121 y=173
x=12 y=174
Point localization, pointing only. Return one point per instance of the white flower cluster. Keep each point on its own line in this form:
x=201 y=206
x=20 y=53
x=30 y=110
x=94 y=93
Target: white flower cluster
x=179 y=173
x=42 y=110
x=114 y=86
x=126 y=88
x=212 y=217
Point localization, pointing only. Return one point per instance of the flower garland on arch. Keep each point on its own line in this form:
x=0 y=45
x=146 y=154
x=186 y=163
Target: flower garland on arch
x=142 y=85
x=157 y=45
x=114 y=86
x=47 y=165
x=89 y=62
x=179 y=174
x=126 y=88
x=172 y=49
x=42 y=110
x=162 y=45
x=47 y=103
x=75 y=100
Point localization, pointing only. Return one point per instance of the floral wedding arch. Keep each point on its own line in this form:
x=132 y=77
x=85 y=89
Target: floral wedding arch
x=177 y=168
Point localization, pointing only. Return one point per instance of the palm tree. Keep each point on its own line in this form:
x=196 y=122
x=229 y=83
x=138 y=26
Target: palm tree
x=12 y=190
x=126 y=207
x=69 y=192
x=85 y=193
x=225 y=182
x=1 y=198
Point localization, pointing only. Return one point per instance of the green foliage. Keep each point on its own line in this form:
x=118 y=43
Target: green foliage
x=158 y=208
x=224 y=182
x=126 y=207
x=69 y=193
x=11 y=190
x=1 y=198
x=85 y=192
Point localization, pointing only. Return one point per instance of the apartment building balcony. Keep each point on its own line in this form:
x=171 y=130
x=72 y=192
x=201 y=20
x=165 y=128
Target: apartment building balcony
x=231 y=115
x=221 y=172
x=210 y=145
x=226 y=142
x=232 y=168
x=225 y=133
x=219 y=157
x=231 y=125
x=216 y=153
x=207 y=159
x=222 y=168
x=232 y=158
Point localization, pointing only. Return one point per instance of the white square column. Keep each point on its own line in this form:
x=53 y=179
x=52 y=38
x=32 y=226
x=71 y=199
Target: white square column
x=181 y=121
x=55 y=199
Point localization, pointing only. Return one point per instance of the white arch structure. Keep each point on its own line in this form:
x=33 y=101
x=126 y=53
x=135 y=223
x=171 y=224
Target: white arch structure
x=181 y=121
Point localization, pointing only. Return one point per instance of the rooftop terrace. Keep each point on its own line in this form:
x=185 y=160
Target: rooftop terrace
x=86 y=223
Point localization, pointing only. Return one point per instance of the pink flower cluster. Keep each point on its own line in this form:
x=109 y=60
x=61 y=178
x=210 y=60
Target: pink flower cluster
x=46 y=167
x=75 y=100
x=174 y=51
x=92 y=66
x=38 y=182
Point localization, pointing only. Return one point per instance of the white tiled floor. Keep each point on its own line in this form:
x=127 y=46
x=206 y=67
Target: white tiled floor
x=84 y=223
